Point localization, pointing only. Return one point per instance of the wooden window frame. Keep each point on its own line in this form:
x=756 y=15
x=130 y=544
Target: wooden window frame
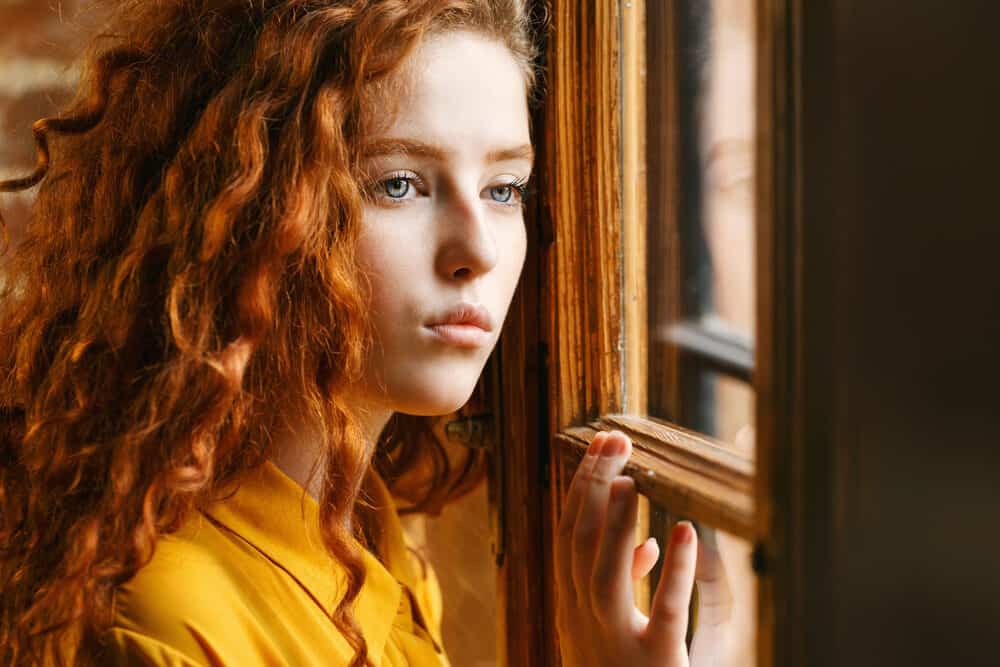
x=574 y=353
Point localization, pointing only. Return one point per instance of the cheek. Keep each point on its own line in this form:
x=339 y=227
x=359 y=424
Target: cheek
x=512 y=263
x=388 y=261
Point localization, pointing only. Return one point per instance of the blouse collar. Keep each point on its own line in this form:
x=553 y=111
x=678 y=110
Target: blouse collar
x=276 y=515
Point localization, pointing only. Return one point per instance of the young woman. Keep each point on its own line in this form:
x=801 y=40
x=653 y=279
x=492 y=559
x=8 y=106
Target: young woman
x=264 y=229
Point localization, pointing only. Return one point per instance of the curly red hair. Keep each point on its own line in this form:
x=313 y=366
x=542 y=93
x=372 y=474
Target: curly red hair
x=187 y=275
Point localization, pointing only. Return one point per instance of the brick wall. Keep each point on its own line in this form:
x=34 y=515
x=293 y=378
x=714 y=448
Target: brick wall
x=40 y=43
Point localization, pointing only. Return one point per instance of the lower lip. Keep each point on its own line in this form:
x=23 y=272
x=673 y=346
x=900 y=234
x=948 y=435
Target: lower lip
x=461 y=335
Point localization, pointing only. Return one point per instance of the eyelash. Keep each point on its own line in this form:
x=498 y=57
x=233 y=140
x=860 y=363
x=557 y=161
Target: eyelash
x=520 y=186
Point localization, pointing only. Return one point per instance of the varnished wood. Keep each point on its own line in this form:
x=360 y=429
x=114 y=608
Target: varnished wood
x=523 y=570
x=524 y=595
x=664 y=251
x=682 y=471
x=634 y=231
x=634 y=215
x=525 y=632
x=663 y=197
x=593 y=255
x=778 y=355
x=584 y=268
x=584 y=324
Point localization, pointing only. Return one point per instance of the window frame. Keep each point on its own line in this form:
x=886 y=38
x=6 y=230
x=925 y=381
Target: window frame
x=574 y=353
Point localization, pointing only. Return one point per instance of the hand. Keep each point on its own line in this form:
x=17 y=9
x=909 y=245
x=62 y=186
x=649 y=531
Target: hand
x=596 y=563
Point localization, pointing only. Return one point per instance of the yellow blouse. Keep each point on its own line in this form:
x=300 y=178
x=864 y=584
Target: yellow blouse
x=249 y=584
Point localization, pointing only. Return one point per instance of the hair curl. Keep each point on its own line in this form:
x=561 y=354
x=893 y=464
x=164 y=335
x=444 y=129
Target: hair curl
x=186 y=274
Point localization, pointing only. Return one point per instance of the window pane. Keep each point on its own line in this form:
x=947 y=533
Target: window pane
x=736 y=647
x=458 y=544
x=725 y=118
x=739 y=648
x=700 y=57
x=734 y=411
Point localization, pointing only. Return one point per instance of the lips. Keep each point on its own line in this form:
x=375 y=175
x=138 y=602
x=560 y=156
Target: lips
x=465 y=325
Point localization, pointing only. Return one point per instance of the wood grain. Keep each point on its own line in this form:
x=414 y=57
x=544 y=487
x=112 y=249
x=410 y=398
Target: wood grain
x=685 y=472
x=777 y=358
x=634 y=231
x=584 y=269
x=663 y=204
x=634 y=215
x=583 y=284
x=524 y=593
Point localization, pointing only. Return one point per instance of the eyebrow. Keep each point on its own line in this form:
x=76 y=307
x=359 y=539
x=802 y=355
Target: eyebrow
x=416 y=148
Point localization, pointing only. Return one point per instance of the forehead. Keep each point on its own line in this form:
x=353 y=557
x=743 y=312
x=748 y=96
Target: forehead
x=463 y=93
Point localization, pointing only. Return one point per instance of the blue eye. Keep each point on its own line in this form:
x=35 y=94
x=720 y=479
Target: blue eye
x=510 y=194
x=396 y=188
x=502 y=193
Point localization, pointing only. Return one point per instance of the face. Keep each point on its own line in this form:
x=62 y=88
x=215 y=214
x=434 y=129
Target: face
x=443 y=238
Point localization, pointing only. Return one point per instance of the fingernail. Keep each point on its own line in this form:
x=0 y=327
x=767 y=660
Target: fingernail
x=596 y=445
x=613 y=446
x=683 y=532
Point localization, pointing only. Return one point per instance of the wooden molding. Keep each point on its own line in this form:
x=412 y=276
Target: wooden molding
x=694 y=476
x=584 y=277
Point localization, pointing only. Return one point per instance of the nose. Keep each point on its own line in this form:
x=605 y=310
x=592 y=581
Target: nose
x=468 y=247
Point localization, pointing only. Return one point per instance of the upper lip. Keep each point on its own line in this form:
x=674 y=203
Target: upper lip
x=466 y=313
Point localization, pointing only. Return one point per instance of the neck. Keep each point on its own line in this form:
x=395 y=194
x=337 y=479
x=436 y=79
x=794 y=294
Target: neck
x=297 y=447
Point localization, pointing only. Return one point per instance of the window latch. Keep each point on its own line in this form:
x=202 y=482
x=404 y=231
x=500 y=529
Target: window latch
x=473 y=432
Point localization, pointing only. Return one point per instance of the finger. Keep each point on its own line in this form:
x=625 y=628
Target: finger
x=564 y=546
x=611 y=586
x=644 y=558
x=669 y=609
x=715 y=605
x=594 y=491
x=715 y=599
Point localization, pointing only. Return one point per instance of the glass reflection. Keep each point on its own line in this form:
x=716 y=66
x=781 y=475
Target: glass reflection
x=701 y=160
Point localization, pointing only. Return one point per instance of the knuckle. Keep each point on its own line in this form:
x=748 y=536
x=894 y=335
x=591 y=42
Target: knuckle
x=600 y=473
x=672 y=615
x=593 y=477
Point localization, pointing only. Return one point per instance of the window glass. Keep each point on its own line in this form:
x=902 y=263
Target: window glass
x=701 y=232
x=458 y=544
x=700 y=59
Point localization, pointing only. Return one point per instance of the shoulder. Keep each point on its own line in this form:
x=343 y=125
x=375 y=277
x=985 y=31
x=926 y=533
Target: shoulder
x=181 y=607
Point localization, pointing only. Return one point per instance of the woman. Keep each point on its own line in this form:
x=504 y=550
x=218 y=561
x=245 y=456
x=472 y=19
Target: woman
x=264 y=229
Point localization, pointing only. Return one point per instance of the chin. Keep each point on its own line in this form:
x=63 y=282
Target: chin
x=432 y=399
x=433 y=406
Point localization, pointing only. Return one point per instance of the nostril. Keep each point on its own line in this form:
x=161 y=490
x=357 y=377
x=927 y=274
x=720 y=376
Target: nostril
x=462 y=273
